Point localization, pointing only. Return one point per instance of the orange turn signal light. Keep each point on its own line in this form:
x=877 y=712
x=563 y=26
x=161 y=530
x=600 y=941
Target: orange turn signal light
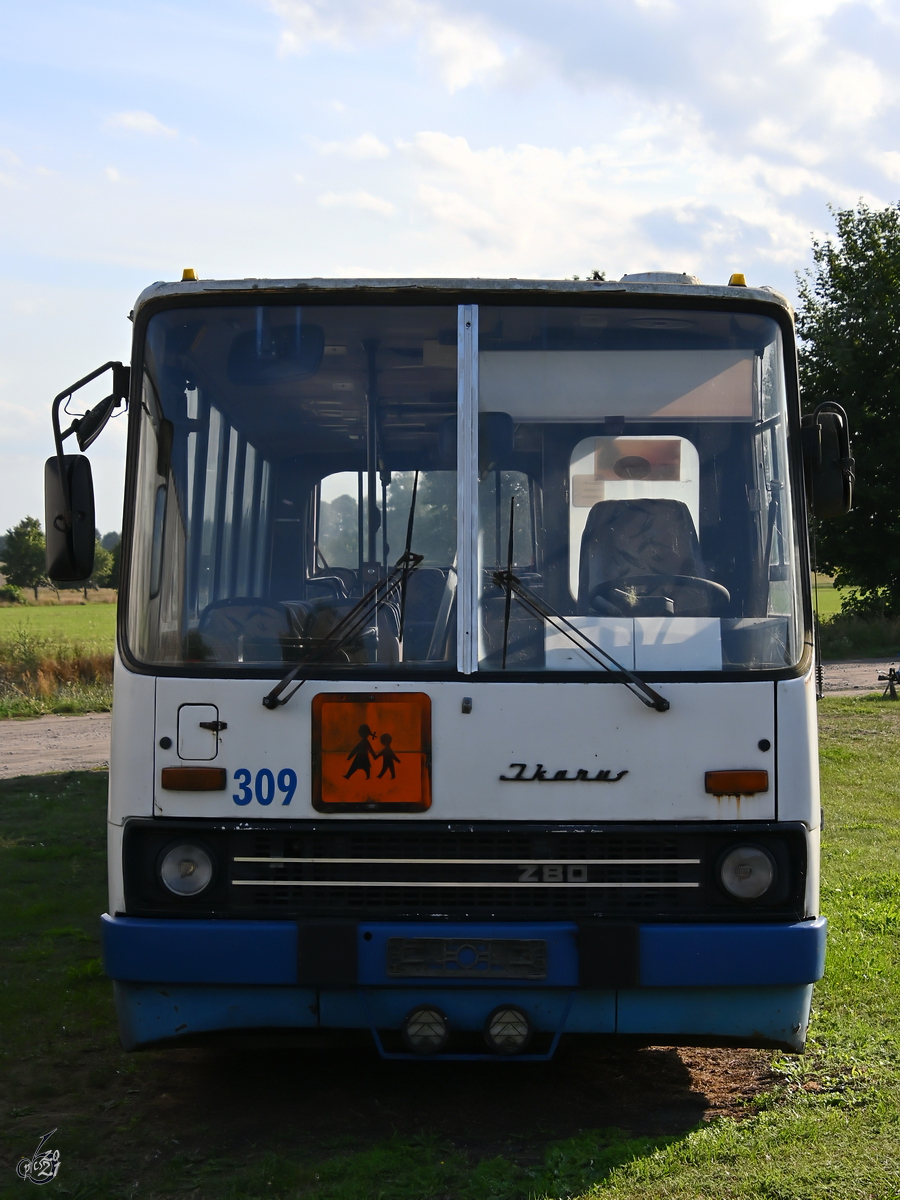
x=194 y=779
x=736 y=783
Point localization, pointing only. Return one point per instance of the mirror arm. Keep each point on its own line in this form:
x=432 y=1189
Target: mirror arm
x=121 y=383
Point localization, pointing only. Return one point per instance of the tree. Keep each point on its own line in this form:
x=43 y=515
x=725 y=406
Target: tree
x=103 y=565
x=849 y=322
x=24 y=562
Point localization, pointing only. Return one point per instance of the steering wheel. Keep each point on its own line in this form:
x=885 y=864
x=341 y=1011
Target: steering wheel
x=698 y=597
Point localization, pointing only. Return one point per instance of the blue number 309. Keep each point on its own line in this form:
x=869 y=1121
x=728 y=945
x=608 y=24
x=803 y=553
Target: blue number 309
x=264 y=785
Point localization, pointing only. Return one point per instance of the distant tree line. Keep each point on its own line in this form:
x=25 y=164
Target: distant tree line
x=22 y=560
x=849 y=323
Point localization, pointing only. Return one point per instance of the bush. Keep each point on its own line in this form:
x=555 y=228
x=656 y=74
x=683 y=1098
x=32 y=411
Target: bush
x=847 y=635
x=10 y=594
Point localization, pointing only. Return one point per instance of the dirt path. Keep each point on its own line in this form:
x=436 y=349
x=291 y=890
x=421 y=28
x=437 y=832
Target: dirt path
x=856 y=677
x=38 y=744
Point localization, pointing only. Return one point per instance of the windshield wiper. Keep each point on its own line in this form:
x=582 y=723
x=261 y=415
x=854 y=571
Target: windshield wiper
x=533 y=604
x=349 y=626
x=407 y=554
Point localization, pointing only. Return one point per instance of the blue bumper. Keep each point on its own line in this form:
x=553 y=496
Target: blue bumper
x=736 y=983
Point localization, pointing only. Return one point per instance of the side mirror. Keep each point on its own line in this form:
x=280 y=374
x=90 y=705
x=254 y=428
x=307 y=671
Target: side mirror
x=70 y=529
x=827 y=461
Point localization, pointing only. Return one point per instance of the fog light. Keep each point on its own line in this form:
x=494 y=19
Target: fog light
x=186 y=870
x=507 y=1030
x=747 y=872
x=426 y=1029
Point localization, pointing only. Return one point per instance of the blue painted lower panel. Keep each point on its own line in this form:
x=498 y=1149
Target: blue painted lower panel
x=150 y=1012
x=752 y=1015
x=466 y=1008
x=147 y=950
x=151 y=950
x=723 y=955
x=749 y=983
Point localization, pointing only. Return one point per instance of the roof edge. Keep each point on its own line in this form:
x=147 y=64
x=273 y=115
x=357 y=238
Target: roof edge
x=251 y=287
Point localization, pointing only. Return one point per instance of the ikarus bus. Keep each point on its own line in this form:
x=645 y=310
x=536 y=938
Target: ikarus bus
x=465 y=683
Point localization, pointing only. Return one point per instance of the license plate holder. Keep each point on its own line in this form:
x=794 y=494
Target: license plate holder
x=466 y=958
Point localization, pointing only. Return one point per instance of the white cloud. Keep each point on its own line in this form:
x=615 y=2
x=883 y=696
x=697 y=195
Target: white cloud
x=140 y=122
x=657 y=196
x=463 y=46
x=361 y=200
x=811 y=84
x=114 y=175
x=367 y=145
x=889 y=162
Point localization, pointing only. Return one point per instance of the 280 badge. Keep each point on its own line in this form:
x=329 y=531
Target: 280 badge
x=263 y=787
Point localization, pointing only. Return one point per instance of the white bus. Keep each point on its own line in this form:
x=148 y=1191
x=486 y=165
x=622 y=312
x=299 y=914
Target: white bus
x=465 y=685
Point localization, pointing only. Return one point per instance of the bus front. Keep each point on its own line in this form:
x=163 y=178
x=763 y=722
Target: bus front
x=464 y=690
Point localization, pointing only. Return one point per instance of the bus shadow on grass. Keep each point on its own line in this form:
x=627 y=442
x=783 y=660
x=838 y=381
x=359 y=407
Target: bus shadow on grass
x=282 y=1115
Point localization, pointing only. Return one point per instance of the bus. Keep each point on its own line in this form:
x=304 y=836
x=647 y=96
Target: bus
x=465 y=680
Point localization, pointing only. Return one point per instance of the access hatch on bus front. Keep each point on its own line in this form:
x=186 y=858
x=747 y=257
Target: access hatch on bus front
x=371 y=752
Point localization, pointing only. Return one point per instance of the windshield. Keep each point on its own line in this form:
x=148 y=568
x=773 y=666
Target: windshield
x=640 y=460
x=630 y=476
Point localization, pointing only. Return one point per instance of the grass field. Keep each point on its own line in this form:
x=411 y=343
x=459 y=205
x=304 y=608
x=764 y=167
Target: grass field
x=90 y=626
x=824 y=1126
x=56 y=658
x=828 y=597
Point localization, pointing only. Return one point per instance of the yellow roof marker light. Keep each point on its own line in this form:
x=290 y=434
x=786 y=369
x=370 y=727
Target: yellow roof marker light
x=189 y=275
x=737 y=280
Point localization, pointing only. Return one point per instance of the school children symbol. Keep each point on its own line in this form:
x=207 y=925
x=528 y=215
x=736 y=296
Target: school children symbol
x=361 y=753
x=371 y=752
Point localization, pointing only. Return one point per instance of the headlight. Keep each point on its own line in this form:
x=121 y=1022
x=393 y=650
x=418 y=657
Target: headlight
x=186 y=869
x=747 y=872
x=426 y=1029
x=507 y=1029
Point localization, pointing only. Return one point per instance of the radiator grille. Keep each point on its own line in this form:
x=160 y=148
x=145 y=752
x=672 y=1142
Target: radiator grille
x=462 y=874
x=392 y=870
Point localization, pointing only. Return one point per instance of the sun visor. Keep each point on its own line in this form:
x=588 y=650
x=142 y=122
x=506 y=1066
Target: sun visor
x=579 y=385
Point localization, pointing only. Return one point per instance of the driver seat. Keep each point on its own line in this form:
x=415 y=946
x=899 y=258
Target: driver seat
x=635 y=537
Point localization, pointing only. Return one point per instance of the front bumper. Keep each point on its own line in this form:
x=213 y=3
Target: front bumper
x=733 y=984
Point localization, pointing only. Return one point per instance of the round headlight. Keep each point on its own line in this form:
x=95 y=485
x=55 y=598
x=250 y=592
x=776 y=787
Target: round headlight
x=747 y=872
x=507 y=1029
x=426 y=1029
x=186 y=870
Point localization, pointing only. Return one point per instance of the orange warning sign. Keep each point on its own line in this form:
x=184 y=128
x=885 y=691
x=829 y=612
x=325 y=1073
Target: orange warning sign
x=371 y=751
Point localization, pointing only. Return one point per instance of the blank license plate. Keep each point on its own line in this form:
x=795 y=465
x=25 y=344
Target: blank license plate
x=467 y=958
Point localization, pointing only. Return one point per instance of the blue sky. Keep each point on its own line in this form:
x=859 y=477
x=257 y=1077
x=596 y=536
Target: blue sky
x=408 y=137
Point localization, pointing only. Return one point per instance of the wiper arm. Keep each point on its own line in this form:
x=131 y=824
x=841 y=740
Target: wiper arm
x=349 y=626
x=407 y=554
x=538 y=607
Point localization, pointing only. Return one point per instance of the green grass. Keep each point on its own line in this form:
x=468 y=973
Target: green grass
x=862 y=637
x=826 y=597
x=56 y=659
x=828 y=1127
x=90 y=626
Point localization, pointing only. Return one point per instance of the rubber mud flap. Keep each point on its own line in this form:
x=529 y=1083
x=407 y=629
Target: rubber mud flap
x=327 y=954
x=608 y=955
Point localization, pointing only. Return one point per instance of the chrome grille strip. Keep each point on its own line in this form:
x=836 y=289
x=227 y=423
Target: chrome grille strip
x=475 y=862
x=421 y=883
